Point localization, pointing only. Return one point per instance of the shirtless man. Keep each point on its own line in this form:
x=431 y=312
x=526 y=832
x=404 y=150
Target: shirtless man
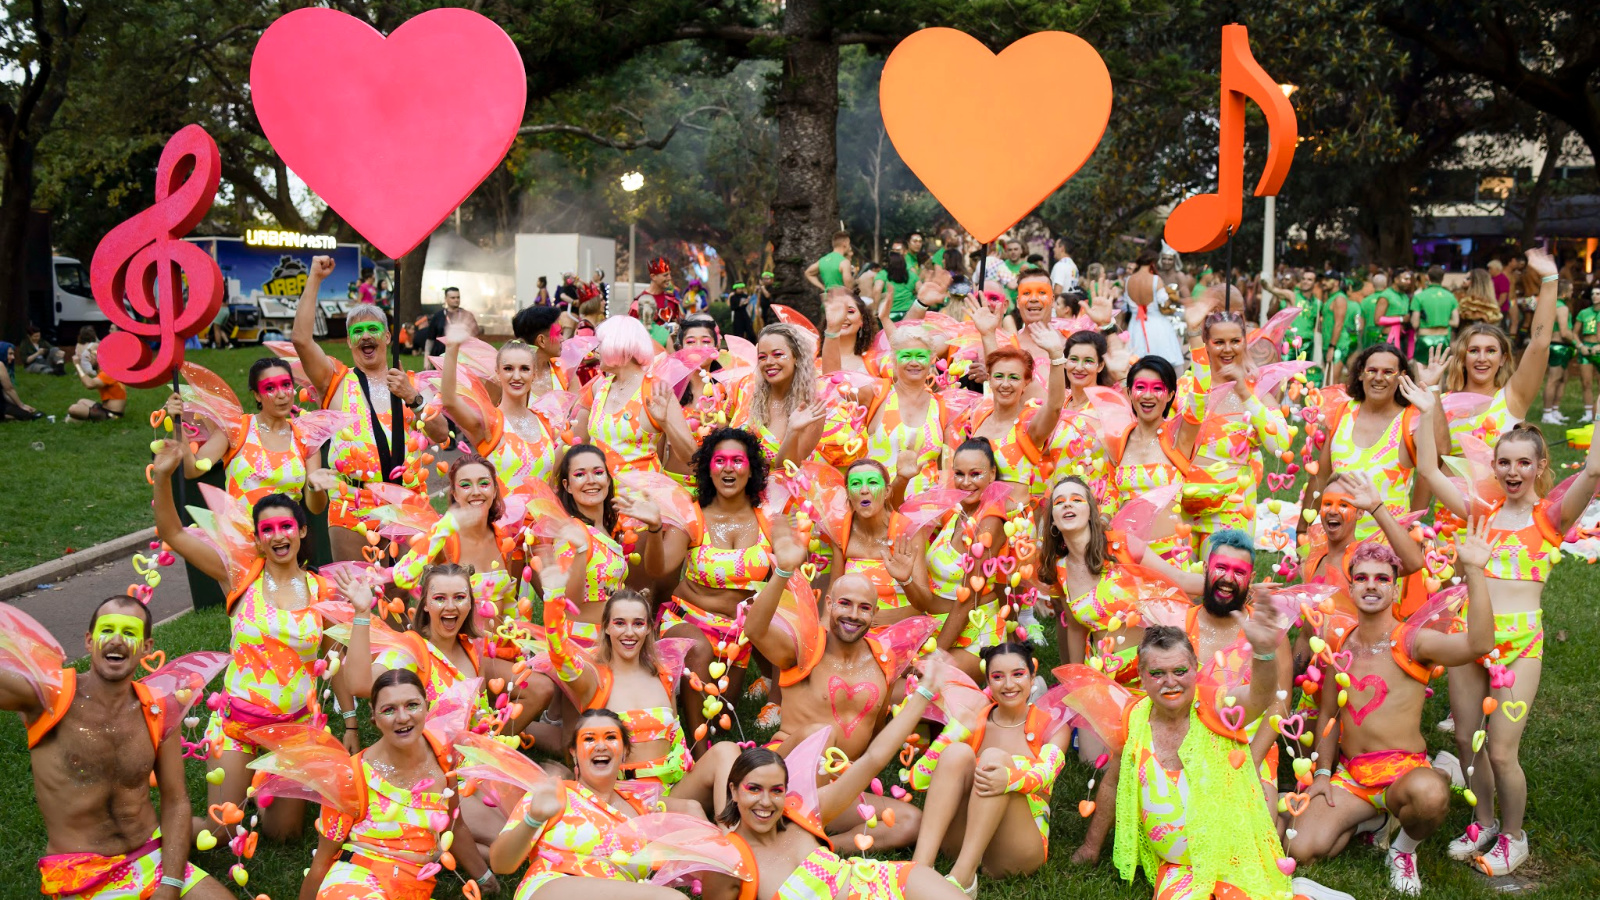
x=371 y=390
x=93 y=757
x=1382 y=762
x=1348 y=496
x=1179 y=284
x=845 y=688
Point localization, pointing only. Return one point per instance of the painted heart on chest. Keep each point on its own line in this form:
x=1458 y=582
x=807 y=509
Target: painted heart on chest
x=839 y=688
x=1380 y=692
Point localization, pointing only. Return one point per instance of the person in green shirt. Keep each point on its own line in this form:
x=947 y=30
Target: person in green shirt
x=1341 y=326
x=1381 y=290
x=1587 y=329
x=1394 y=310
x=1435 y=312
x=898 y=281
x=833 y=270
x=1563 y=346
x=1305 y=295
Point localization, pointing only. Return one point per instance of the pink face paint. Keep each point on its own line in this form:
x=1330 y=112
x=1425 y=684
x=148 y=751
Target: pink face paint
x=1238 y=569
x=275 y=384
x=838 y=686
x=730 y=460
x=267 y=529
x=1149 y=386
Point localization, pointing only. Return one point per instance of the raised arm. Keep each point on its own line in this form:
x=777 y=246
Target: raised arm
x=1045 y=418
x=1427 y=447
x=465 y=416
x=663 y=548
x=1463 y=647
x=1527 y=380
x=842 y=793
x=1264 y=630
x=788 y=553
x=1366 y=497
x=169 y=527
x=213 y=450
x=317 y=365
x=833 y=312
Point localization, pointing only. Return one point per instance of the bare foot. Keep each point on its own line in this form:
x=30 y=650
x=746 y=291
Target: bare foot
x=1086 y=856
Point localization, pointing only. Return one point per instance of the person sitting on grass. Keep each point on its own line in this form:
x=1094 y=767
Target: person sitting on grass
x=113 y=396
x=96 y=750
x=1382 y=761
x=11 y=406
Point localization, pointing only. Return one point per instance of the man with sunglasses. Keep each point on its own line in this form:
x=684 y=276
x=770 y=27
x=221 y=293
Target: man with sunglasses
x=386 y=405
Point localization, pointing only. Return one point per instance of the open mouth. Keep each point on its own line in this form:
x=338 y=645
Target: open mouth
x=628 y=643
x=851 y=628
x=402 y=730
x=1513 y=485
x=280 y=549
x=1332 y=521
x=601 y=759
x=762 y=814
x=1225 y=590
x=771 y=372
x=116 y=653
x=864 y=502
x=450 y=620
x=367 y=348
x=729 y=481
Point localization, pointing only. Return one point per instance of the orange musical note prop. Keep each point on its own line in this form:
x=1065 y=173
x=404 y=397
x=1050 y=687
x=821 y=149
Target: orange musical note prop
x=173 y=286
x=1204 y=221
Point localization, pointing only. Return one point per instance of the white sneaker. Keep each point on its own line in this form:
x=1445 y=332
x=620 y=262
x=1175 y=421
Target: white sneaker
x=1448 y=724
x=1552 y=417
x=758 y=689
x=1503 y=858
x=1588 y=416
x=1403 y=873
x=1446 y=762
x=1465 y=848
x=769 y=717
x=1305 y=887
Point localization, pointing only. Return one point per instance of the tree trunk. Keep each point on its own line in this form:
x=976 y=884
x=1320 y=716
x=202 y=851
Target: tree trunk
x=16 y=196
x=408 y=284
x=1555 y=135
x=805 y=211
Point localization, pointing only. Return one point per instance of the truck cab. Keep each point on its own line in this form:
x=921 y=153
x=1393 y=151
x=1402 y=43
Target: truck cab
x=72 y=302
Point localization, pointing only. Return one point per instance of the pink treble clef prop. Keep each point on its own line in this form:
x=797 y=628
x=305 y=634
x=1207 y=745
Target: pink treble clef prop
x=173 y=287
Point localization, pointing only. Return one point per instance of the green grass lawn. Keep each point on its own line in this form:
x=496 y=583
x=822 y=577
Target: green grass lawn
x=73 y=485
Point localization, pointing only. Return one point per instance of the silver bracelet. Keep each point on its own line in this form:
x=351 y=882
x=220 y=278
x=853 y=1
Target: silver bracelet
x=169 y=881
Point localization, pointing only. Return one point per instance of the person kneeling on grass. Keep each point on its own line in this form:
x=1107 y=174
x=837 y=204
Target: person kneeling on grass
x=1382 y=759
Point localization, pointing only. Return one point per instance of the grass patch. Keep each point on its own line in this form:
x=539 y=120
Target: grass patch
x=73 y=485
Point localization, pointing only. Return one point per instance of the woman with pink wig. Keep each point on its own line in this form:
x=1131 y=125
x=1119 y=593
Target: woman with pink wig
x=625 y=411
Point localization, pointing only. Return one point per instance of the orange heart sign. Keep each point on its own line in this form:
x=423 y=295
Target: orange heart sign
x=987 y=182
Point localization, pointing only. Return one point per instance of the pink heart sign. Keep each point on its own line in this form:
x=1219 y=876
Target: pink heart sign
x=392 y=133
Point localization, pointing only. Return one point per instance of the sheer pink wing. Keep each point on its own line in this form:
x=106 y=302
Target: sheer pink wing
x=960 y=698
x=738 y=361
x=831 y=500
x=903 y=641
x=31 y=652
x=487 y=759
x=450 y=713
x=286 y=352
x=1053 y=702
x=315 y=427
x=1098 y=702
x=306 y=763
x=1164 y=610
x=1111 y=412
x=1138 y=514
x=402 y=512
x=1442 y=612
x=1272 y=376
x=1003 y=494
x=181 y=682
x=208 y=394
x=1276 y=327
x=929 y=507
x=797 y=617
x=831 y=387
x=575 y=349
x=792 y=317
x=675 y=846
x=804 y=761
x=678 y=509
x=225 y=524
x=1474 y=476
x=1557 y=494
x=1459 y=405
x=674 y=656
x=1298 y=601
x=669 y=369
x=556 y=408
x=959 y=402
x=382 y=637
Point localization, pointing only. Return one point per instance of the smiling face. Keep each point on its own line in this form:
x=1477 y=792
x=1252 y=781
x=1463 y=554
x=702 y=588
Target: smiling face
x=760 y=797
x=627 y=628
x=1373 y=586
x=1010 y=682
x=598 y=749
x=1150 y=396
x=1224 y=343
x=278 y=535
x=1381 y=376
x=1008 y=382
x=1083 y=366
x=1228 y=572
x=449 y=604
x=587 y=480
x=367 y=339
x=116 y=640
x=775 y=360
x=1035 y=298
x=730 y=469
x=275 y=392
x=852 y=605
x=1482 y=360
x=866 y=487
x=913 y=361
x=852 y=313
x=1168 y=676
x=1308 y=282
x=516 y=369
x=1069 y=508
x=400 y=711
x=700 y=338
x=473 y=490
x=972 y=472
x=1339 y=515
x=1518 y=465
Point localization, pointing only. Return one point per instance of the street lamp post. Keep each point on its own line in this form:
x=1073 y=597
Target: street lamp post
x=631 y=182
x=1269 y=229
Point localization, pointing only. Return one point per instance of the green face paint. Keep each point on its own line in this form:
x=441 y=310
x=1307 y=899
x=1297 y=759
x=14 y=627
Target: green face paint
x=364 y=329
x=913 y=355
x=113 y=627
x=868 y=478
